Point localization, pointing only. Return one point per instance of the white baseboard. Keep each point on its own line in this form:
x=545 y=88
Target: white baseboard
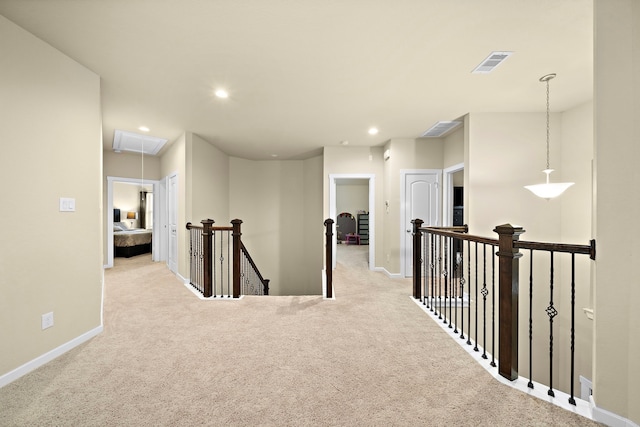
x=47 y=357
x=184 y=281
x=608 y=418
x=389 y=275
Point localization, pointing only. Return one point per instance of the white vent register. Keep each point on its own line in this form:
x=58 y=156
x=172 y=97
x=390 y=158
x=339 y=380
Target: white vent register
x=491 y=62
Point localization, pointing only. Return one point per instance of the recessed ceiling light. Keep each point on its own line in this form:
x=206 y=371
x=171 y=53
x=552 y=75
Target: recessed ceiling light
x=345 y=142
x=144 y=129
x=221 y=93
x=373 y=131
x=274 y=155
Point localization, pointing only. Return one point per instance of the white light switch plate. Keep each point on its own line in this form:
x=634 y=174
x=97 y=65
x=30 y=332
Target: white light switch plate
x=67 y=204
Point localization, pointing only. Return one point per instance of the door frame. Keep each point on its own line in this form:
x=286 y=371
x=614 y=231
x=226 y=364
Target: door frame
x=156 y=207
x=169 y=207
x=447 y=193
x=403 y=210
x=372 y=212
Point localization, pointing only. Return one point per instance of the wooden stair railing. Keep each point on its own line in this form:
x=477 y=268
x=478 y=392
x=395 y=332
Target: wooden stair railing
x=447 y=263
x=219 y=259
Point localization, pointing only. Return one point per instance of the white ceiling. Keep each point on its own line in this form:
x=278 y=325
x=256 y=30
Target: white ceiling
x=306 y=74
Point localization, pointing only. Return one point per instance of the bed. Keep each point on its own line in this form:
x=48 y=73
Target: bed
x=129 y=242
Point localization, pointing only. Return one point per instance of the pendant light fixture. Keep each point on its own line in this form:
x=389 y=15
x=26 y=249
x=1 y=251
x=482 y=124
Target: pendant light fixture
x=548 y=190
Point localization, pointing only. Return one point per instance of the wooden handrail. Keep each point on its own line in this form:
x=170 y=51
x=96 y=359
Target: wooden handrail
x=589 y=249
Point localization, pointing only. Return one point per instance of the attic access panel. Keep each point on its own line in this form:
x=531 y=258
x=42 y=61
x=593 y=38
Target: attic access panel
x=137 y=143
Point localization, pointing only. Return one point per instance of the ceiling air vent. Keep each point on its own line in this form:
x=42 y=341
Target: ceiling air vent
x=491 y=62
x=137 y=143
x=440 y=129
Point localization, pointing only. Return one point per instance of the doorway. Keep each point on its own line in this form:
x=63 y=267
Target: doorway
x=148 y=184
x=420 y=195
x=369 y=179
x=452 y=182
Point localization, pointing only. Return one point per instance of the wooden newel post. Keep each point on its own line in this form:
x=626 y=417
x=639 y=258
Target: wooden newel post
x=508 y=283
x=236 y=257
x=328 y=223
x=417 y=257
x=207 y=245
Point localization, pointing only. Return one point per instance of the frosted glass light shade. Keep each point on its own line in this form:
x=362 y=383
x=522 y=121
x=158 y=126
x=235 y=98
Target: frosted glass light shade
x=548 y=190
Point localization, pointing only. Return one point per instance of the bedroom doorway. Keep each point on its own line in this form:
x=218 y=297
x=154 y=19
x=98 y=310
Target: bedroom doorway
x=363 y=180
x=132 y=209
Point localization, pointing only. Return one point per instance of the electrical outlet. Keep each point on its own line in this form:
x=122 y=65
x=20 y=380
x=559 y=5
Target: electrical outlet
x=47 y=320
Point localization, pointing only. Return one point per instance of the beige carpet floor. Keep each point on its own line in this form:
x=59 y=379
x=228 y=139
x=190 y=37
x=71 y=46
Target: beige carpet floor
x=370 y=357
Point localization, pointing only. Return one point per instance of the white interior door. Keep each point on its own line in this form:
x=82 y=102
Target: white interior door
x=421 y=200
x=172 y=210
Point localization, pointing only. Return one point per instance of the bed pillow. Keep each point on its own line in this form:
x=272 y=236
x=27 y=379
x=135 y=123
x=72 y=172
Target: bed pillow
x=121 y=225
x=117 y=228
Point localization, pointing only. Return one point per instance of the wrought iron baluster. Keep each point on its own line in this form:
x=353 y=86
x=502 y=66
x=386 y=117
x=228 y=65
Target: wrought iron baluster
x=200 y=262
x=222 y=266
x=432 y=266
x=439 y=277
x=425 y=281
x=530 y=384
x=484 y=293
x=493 y=306
x=456 y=278
x=215 y=266
x=445 y=275
x=462 y=282
x=551 y=312
x=475 y=348
x=469 y=292
x=573 y=324
x=228 y=269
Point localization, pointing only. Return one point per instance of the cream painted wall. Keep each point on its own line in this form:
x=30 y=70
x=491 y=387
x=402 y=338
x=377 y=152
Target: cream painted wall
x=208 y=178
x=314 y=238
x=52 y=147
x=506 y=152
x=358 y=160
x=617 y=132
x=278 y=202
x=129 y=165
x=352 y=198
x=174 y=161
x=453 y=149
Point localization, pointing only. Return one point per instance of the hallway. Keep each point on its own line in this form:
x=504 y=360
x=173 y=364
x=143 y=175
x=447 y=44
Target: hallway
x=369 y=357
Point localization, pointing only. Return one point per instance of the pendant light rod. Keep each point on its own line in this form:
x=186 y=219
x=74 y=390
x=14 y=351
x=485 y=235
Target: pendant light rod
x=546 y=79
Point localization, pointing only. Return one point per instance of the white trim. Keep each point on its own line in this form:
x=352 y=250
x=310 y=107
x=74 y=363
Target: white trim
x=608 y=418
x=372 y=212
x=403 y=210
x=389 y=275
x=39 y=361
x=202 y=297
x=447 y=193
